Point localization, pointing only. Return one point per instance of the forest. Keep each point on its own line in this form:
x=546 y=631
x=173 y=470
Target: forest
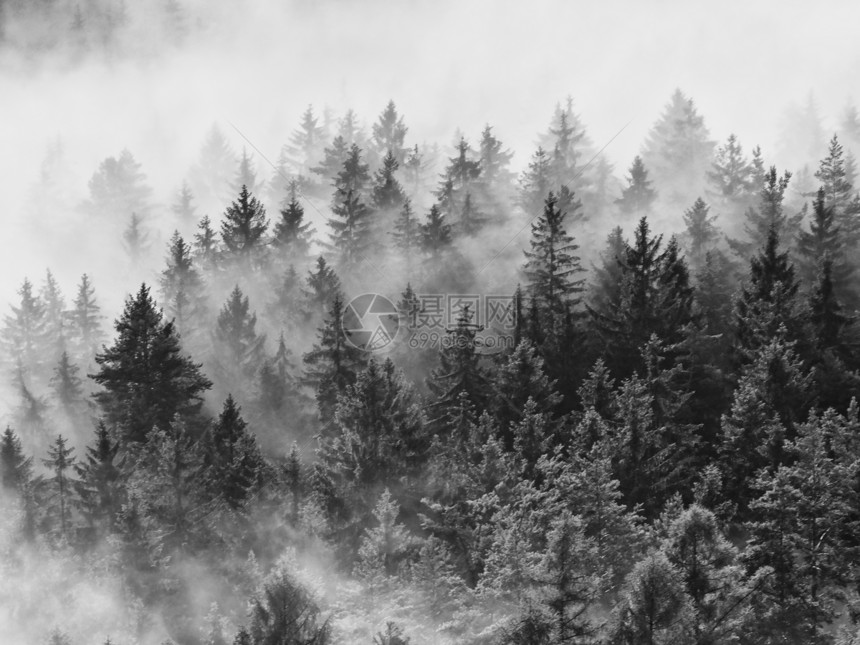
x=610 y=406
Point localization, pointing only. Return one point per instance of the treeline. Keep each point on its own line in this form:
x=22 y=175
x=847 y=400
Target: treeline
x=669 y=453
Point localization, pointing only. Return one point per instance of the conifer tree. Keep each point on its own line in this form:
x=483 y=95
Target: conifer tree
x=240 y=347
x=535 y=183
x=99 y=486
x=246 y=176
x=638 y=197
x=678 y=150
x=306 y=144
x=55 y=316
x=135 y=238
x=407 y=230
x=236 y=465
x=244 y=227
x=436 y=237
x=459 y=371
x=768 y=301
x=212 y=176
x=205 y=244
x=323 y=285
x=292 y=234
x=332 y=364
x=24 y=330
x=85 y=329
x=732 y=180
x=701 y=233
x=496 y=179
x=145 y=379
x=67 y=388
x=118 y=188
x=389 y=134
x=552 y=266
x=183 y=208
x=351 y=224
x=334 y=157
x=770 y=214
x=16 y=470
x=824 y=241
x=59 y=461
x=387 y=195
x=182 y=287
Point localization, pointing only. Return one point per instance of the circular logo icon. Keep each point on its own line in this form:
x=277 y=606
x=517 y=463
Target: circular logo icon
x=370 y=322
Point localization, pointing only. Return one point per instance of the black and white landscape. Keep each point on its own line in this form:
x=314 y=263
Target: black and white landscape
x=389 y=323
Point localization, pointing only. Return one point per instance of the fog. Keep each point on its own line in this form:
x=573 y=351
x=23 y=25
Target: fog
x=451 y=67
x=447 y=65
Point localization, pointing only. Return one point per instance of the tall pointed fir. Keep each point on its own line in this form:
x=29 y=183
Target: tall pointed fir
x=99 y=485
x=552 y=267
x=638 y=196
x=389 y=133
x=323 y=284
x=243 y=229
x=24 y=331
x=770 y=214
x=239 y=349
x=85 y=326
x=292 y=234
x=352 y=222
x=332 y=364
x=60 y=487
x=535 y=183
x=145 y=378
x=701 y=234
x=732 y=182
x=182 y=290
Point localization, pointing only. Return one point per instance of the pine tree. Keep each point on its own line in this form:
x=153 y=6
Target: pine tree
x=655 y=607
x=235 y=463
x=182 y=287
x=407 y=231
x=769 y=214
x=205 y=244
x=212 y=176
x=800 y=517
x=436 y=237
x=389 y=134
x=246 y=176
x=244 y=227
x=552 y=266
x=769 y=299
x=135 y=238
x=732 y=180
x=333 y=159
x=292 y=235
x=387 y=195
x=55 y=316
x=59 y=461
x=67 y=388
x=701 y=233
x=351 y=224
x=306 y=144
x=459 y=371
x=85 y=329
x=240 y=348
x=638 y=197
x=380 y=439
x=24 y=330
x=145 y=378
x=535 y=183
x=99 y=484
x=678 y=151
x=332 y=364
x=825 y=240
x=323 y=286
x=283 y=611
x=16 y=470
x=496 y=180
x=118 y=188
x=183 y=208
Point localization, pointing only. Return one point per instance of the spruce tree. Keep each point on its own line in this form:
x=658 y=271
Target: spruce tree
x=206 y=244
x=323 y=285
x=24 y=330
x=145 y=379
x=701 y=234
x=351 y=224
x=118 y=188
x=535 y=183
x=389 y=134
x=332 y=364
x=436 y=237
x=770 y=214
x=306 y=144
x=638 y=197
x=236 y=465
x=246 y=175
x=60 y=498
x=55 y=316
x=292 y=234
x=407 y=230
x=99 y=486
x=732 y=180
x=678 y=151
x=244 y=227
x=16 y=470
x=183 y=208
x=239 y=347
x=85 y=327
x=552 y=266
x=212 y=176
x=182 y=287
x=387 y=195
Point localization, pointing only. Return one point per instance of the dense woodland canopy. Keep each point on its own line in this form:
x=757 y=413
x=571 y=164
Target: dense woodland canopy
x=668 y=451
